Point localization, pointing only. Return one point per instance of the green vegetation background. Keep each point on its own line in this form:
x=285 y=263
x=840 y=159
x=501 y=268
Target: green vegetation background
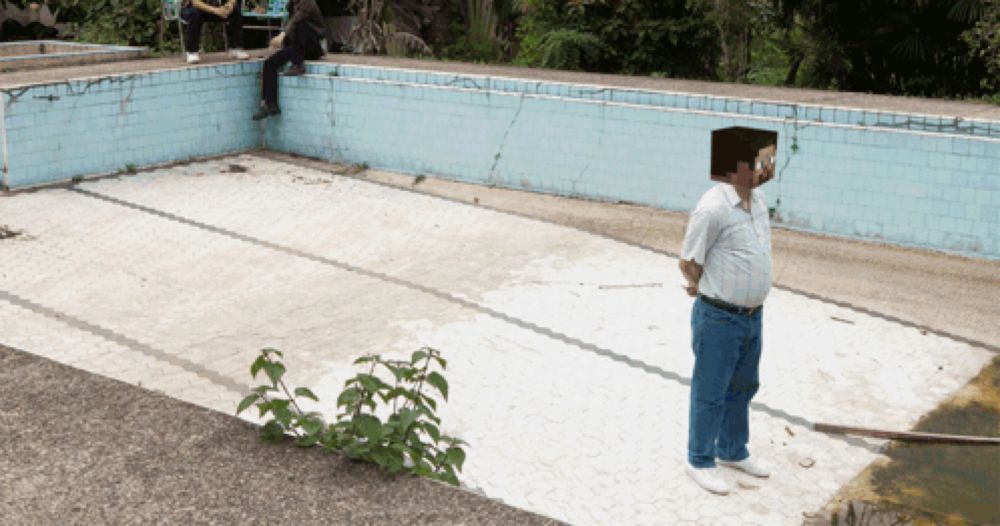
x=932 y=48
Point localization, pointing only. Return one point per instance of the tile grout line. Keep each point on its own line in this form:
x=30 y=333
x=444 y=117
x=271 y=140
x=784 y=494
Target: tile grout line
x=120 y=339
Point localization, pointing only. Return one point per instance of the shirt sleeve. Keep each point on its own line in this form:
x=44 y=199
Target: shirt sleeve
x=702 y=231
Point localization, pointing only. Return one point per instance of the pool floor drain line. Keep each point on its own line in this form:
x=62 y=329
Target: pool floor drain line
x=321 y=165
x=129 y=343
x=454 y=299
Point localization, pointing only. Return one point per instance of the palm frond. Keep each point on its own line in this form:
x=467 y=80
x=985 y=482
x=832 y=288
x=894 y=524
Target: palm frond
x=967 y=11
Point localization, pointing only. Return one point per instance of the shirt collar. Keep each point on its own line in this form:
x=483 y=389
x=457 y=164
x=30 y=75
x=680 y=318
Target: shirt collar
x=731 y=196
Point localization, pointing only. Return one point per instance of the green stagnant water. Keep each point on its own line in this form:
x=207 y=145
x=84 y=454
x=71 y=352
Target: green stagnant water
x=939 y=484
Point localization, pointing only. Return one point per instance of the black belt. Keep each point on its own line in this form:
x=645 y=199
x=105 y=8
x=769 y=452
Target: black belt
x=729 y=307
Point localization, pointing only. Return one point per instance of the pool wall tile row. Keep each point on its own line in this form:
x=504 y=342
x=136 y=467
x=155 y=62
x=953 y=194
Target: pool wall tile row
x=54 y=132
x=681 y=101
x=932 y=183
x=916 y=180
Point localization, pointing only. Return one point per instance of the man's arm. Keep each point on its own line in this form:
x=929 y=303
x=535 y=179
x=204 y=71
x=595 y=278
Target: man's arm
x=700 y=234
x=691 y=272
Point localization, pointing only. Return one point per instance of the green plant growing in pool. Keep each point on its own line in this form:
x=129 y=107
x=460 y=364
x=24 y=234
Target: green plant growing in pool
x=408 y=440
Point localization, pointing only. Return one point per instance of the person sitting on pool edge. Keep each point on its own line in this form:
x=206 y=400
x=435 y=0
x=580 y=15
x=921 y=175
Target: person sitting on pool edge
x=298 y=43
x=196 y=12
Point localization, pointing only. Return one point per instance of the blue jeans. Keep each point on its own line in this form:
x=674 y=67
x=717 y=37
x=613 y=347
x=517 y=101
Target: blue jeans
x=726 y=356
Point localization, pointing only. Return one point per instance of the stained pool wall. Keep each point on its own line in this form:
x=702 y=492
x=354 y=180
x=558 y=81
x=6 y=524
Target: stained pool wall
x=57 y=131
x=909 y=179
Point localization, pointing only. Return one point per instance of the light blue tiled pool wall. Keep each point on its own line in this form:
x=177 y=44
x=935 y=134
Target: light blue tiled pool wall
x=905 y=179
x=54 y=132
x=898 y=178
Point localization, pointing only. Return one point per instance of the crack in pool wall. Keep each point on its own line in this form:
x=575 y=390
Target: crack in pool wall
x=491 y=177
x=595 y=154
x=126 y=99
x=126 y=120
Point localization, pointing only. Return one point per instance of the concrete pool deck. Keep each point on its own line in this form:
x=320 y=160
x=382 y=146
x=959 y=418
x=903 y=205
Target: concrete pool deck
x=568 y=351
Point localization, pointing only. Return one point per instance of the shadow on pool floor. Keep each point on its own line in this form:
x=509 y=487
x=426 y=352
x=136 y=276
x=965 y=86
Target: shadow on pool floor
x=933 y=484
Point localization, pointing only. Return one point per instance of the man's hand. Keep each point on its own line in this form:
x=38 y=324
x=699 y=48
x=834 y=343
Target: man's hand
x=224 y=10
x=278 y=40
x=692 y=273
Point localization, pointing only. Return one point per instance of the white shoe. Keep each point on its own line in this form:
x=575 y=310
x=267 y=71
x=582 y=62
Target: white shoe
x=708 y=478
x=192 y=58
x=238 y=54
x=748 y=466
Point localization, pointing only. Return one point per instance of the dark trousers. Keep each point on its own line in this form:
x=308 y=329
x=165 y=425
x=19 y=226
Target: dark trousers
x=305 y=47
x=196 y=17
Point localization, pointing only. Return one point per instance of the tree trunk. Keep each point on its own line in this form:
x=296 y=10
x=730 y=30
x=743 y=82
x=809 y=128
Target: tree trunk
x=793 y=70
x=748 y=55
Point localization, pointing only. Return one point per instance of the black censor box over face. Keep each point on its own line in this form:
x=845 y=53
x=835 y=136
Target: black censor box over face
x=743 y=156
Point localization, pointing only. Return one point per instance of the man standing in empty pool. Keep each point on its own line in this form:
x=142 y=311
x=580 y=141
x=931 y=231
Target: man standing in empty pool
x=726 y=259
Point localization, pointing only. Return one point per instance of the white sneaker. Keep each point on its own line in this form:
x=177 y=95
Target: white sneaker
x=749 y=466
x=192 y=58
x=238 y=54
x=708 y=478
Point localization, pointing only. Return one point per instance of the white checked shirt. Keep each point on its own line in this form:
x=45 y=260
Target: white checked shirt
x=732 y=245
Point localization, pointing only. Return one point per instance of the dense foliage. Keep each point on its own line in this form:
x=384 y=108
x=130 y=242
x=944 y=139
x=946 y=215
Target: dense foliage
x=907 y=47
x=984 y=43
x=940 y=48
x=630 y=36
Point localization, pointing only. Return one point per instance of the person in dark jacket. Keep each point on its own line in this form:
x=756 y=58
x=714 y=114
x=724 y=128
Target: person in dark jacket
x=298 y=43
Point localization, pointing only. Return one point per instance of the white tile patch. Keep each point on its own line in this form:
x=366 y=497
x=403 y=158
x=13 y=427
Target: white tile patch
x=567 y=379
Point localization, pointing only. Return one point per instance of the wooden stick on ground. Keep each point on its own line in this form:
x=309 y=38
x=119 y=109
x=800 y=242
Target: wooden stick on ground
x=908 y=436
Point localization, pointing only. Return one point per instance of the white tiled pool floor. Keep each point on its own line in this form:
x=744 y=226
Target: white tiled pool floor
x=568 y=353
